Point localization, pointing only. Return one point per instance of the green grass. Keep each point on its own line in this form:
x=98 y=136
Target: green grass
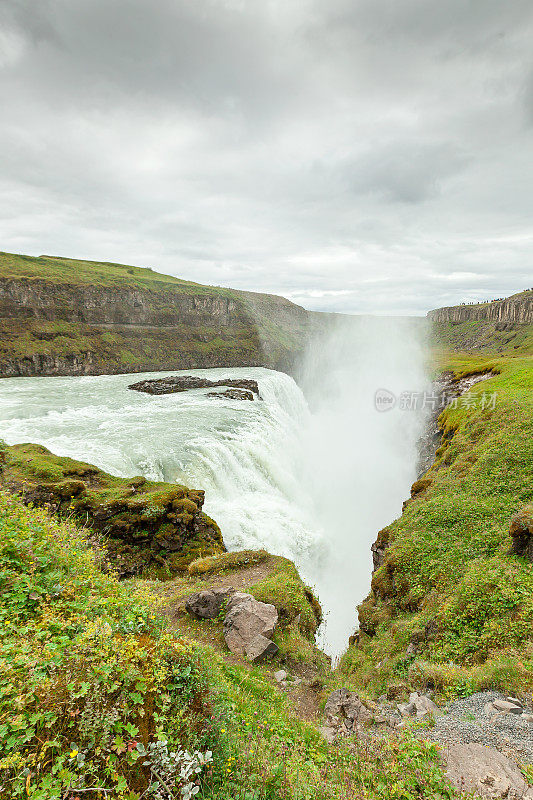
x=86 y=671
x=90 y=677
x=480 y=336
x=133 y=519
x=73 y=272
x=448 y=566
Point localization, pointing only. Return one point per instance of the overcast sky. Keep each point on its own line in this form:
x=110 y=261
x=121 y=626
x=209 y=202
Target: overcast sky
x=352 y=155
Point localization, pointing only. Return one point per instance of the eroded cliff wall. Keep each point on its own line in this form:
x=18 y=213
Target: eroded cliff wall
x=67 y=317
x=517 y=309
x=500 y=326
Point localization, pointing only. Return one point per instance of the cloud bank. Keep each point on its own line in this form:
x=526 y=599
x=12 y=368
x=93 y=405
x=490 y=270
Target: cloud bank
x=367 y=156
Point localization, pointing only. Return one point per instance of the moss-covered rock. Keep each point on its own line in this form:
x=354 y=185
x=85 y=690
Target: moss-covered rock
x=521 y=531
x=144 y=527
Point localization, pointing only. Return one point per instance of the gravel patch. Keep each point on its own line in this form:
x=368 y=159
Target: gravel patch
x=467 y=720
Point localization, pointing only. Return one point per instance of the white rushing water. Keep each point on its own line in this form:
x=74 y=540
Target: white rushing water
x=309 y=477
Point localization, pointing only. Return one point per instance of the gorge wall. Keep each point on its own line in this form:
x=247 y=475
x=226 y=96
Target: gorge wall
x=67 y=317
x=517 y=309
x=504 y=325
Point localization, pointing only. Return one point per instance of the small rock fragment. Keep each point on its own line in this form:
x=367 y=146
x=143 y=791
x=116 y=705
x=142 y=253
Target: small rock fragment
x=280 y=675
x=507 y=707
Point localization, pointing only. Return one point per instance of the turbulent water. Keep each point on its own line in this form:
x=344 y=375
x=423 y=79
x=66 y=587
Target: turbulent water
x=309 y=476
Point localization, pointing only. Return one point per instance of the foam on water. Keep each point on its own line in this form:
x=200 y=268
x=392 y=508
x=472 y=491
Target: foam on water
x=312 y=485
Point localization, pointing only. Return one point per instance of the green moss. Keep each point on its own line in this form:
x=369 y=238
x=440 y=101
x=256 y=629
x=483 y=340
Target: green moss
x=146 y=527
x=227 y=561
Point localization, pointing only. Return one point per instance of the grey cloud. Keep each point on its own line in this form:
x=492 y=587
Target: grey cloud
x=365 y=156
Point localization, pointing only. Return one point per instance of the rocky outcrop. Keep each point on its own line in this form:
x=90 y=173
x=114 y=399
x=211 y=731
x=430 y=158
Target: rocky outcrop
x=183 y=383
x=143 y=527
x=249 y=626
x=378 y=548
x=521 y=531
x=233 y=394
x=514 y=310
x=445 y=389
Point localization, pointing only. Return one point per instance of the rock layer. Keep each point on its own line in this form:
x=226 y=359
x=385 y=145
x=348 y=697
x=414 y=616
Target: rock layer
x=67 y=317
x=514 y=310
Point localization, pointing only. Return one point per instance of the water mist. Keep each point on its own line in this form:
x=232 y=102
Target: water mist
x=359 y=461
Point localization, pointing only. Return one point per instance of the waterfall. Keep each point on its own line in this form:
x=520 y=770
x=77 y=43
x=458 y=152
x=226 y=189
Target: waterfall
x=311 y=475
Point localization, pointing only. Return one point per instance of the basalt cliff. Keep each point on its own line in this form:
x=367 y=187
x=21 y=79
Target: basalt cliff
x=497 y=326
x=66 y=317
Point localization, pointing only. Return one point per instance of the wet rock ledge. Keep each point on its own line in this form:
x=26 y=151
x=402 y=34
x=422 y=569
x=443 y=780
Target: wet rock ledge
x=140 y=527
x=236 y=388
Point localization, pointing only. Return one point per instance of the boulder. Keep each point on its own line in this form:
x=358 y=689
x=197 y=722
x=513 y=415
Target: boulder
x=420 y=706
x=483 y=769
x=247 y=618
x=207 y=604
x=424 y=707
x=345 y=706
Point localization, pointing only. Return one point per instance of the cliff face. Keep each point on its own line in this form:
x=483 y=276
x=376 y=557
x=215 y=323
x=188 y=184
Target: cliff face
x=515 y=310
x=94 y=305
x=497 y=327
x=65 y=317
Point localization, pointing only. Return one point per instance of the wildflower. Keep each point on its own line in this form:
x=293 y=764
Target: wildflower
x=74 y=753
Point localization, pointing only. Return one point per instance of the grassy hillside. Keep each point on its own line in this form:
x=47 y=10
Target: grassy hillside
x=100 y=696
x=58 y=270
x=143 y=527
x=65 y=316
x=485 y=337
x=449 y=586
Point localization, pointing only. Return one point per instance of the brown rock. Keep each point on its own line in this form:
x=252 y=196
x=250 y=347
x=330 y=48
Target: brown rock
x=247 y=618
x=260 y=647
x=207 y=604
x=379 y=547
x=521 y=531
x=343 y=705
x=483 y=769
